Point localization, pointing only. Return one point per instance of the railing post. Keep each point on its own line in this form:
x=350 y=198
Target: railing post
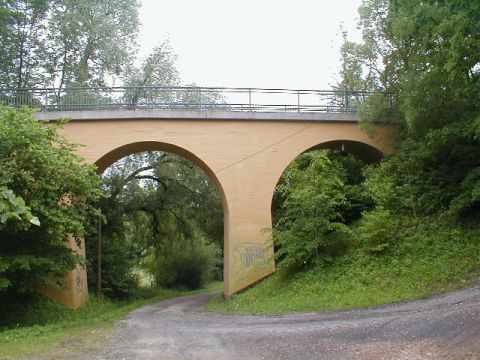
x=249 y=99
x=45 y=106
x=298 y=100
x=199 y=97
x=347 y=100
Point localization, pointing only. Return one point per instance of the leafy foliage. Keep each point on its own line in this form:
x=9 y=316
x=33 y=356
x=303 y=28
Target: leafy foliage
x=40 y=166
x=423 y=59
x=13 y=207
x=157 y=69
x=185 y=263
x=426 y=53
x=89 y=40
x=378 y=230
x=320 y=193
x=22 y=28
x=65 y=43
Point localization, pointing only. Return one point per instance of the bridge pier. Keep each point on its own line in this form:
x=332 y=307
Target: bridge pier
x=248 y=253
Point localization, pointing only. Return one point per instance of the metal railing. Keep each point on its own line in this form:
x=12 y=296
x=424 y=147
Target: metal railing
x=184 y=98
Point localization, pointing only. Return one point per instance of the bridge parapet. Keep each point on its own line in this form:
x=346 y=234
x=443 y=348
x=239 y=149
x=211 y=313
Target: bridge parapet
x=170 y=98
x=215 y=115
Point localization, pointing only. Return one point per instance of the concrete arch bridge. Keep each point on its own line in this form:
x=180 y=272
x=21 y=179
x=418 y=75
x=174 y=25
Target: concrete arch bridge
x=244 y=148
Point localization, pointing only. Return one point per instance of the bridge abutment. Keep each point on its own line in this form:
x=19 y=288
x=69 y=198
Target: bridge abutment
x=74 y=292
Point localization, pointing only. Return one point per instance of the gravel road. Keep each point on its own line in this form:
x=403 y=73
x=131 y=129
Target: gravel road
x=443 y=327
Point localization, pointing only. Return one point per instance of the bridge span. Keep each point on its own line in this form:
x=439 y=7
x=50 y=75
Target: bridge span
x=244 y=152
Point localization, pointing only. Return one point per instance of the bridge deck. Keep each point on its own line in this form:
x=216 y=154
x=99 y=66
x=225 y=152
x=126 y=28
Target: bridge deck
x=93 y=115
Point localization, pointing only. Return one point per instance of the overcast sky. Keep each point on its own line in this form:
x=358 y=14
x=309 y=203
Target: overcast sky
x=251 y=43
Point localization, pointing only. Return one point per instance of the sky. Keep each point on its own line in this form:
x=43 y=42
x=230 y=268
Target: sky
x=290 y=44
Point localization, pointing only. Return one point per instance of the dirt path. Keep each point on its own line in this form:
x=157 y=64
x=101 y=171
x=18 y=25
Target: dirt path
x=444 y=327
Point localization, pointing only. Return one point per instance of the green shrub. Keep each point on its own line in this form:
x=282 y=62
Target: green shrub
x=310 y=225
x=377 y=230
x=185 y=263
x=40 y=167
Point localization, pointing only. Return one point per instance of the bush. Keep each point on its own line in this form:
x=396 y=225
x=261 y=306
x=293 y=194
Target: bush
x=185 y=263
x=377 y=230
x=40 y=167
x=310 y=225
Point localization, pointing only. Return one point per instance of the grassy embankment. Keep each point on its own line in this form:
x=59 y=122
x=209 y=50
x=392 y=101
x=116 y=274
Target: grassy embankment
x=430 y=259
x=51 y=330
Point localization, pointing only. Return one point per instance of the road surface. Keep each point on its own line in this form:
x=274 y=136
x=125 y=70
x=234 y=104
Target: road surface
x=443 y=327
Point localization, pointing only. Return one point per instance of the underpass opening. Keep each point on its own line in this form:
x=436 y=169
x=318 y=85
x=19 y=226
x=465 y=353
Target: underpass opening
x=318 y=198
x=165 y=211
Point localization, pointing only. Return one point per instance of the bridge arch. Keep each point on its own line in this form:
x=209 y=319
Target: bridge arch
x=367 y=151
x=112 y=156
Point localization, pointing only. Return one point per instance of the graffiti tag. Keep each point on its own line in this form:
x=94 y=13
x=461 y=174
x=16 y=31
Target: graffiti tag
x=249 y=256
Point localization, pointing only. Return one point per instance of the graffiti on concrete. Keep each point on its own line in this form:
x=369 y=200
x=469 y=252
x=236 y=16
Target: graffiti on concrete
x=250 y=256
x=79 y=278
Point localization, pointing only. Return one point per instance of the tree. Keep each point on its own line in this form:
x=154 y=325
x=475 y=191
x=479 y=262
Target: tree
x=429 y=56
x=22 y=30
x=429 y=53
x=89 y=40
x=158 y=70
x=40 y=166
x=66 y=43
x=193 y=97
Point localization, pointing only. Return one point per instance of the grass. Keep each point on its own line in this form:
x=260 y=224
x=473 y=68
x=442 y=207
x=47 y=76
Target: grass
x=52 y=330
x=430 y=260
